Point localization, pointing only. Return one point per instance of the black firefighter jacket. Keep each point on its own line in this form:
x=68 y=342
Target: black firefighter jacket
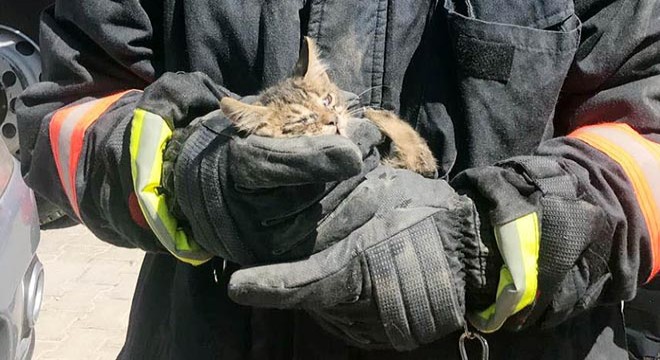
x=482 y=81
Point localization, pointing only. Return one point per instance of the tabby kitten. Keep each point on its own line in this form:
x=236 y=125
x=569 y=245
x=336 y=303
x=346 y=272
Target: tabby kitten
x=309 y=103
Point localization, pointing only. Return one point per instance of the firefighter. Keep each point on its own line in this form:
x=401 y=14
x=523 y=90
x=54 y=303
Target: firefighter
x=544 y=117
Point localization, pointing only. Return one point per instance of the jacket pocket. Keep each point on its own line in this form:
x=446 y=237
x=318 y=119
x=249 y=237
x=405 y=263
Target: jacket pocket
x=510 y=69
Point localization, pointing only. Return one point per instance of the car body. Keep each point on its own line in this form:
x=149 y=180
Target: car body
x=21 y=272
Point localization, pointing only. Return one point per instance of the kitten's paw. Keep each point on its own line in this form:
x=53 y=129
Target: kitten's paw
x=342 y=125
x=381 y=117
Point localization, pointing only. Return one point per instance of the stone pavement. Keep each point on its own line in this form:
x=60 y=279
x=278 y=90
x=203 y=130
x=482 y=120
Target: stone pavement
x=88 y=289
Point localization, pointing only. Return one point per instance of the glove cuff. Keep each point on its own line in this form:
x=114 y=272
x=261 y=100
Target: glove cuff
x=574 y=245
x=149 y=134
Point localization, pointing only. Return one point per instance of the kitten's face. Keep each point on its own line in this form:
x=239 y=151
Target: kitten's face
x=306 y=104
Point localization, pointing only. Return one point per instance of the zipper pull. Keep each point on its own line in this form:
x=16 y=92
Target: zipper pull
x=469 y=335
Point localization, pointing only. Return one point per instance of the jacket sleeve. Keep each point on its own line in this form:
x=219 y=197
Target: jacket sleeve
x=610 y=115
x=595 y=184
x=73 y=124
x=610 y=111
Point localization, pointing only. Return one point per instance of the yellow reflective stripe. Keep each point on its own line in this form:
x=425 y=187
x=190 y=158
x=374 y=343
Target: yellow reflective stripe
x=504 y=281
x=528 y=227
x=519 y=243
x=149 y=136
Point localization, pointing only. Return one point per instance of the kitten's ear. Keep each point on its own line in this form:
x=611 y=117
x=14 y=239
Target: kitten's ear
x=309 y=65
x=244 y=116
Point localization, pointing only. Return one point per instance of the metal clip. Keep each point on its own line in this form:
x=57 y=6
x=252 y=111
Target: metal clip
x=222 y=271
x=469 y=335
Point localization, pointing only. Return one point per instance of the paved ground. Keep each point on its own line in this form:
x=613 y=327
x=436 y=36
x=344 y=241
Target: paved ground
x=88 y=291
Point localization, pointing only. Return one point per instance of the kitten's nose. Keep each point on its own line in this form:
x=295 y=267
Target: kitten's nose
x=331 y=119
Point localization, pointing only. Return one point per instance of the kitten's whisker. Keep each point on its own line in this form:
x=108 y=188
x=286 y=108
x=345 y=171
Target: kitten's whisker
x=372 y=88
x=356 y=111
x=366 y=91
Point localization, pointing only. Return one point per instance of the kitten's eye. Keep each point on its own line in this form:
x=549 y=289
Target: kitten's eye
x=327 y=100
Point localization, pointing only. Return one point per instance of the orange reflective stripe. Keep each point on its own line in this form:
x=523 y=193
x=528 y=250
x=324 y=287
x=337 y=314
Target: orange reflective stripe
x=67 y=133
x=640 y=160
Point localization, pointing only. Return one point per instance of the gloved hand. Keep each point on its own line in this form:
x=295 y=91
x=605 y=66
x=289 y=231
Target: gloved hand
x=255 y=199
x=549 y=243
x=246 y=199
x=394 y=281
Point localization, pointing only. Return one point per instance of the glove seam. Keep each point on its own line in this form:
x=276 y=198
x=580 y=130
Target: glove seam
x=313 y=151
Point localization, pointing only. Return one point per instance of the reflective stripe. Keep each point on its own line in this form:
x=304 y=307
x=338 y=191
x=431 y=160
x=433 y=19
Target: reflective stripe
x=67 y=134
x=640 y=160
x=149 y=136
x=519 y=243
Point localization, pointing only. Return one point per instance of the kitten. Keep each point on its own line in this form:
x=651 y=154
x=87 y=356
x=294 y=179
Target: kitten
x=309 y=103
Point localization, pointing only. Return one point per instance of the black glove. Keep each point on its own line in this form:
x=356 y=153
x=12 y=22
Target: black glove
x=392 y=275
x=256 y=199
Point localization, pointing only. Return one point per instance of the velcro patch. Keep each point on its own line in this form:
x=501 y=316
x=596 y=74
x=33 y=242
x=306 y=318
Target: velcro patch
x=484 y=59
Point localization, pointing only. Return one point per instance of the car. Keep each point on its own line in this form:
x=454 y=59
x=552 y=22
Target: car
x=21 y=272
